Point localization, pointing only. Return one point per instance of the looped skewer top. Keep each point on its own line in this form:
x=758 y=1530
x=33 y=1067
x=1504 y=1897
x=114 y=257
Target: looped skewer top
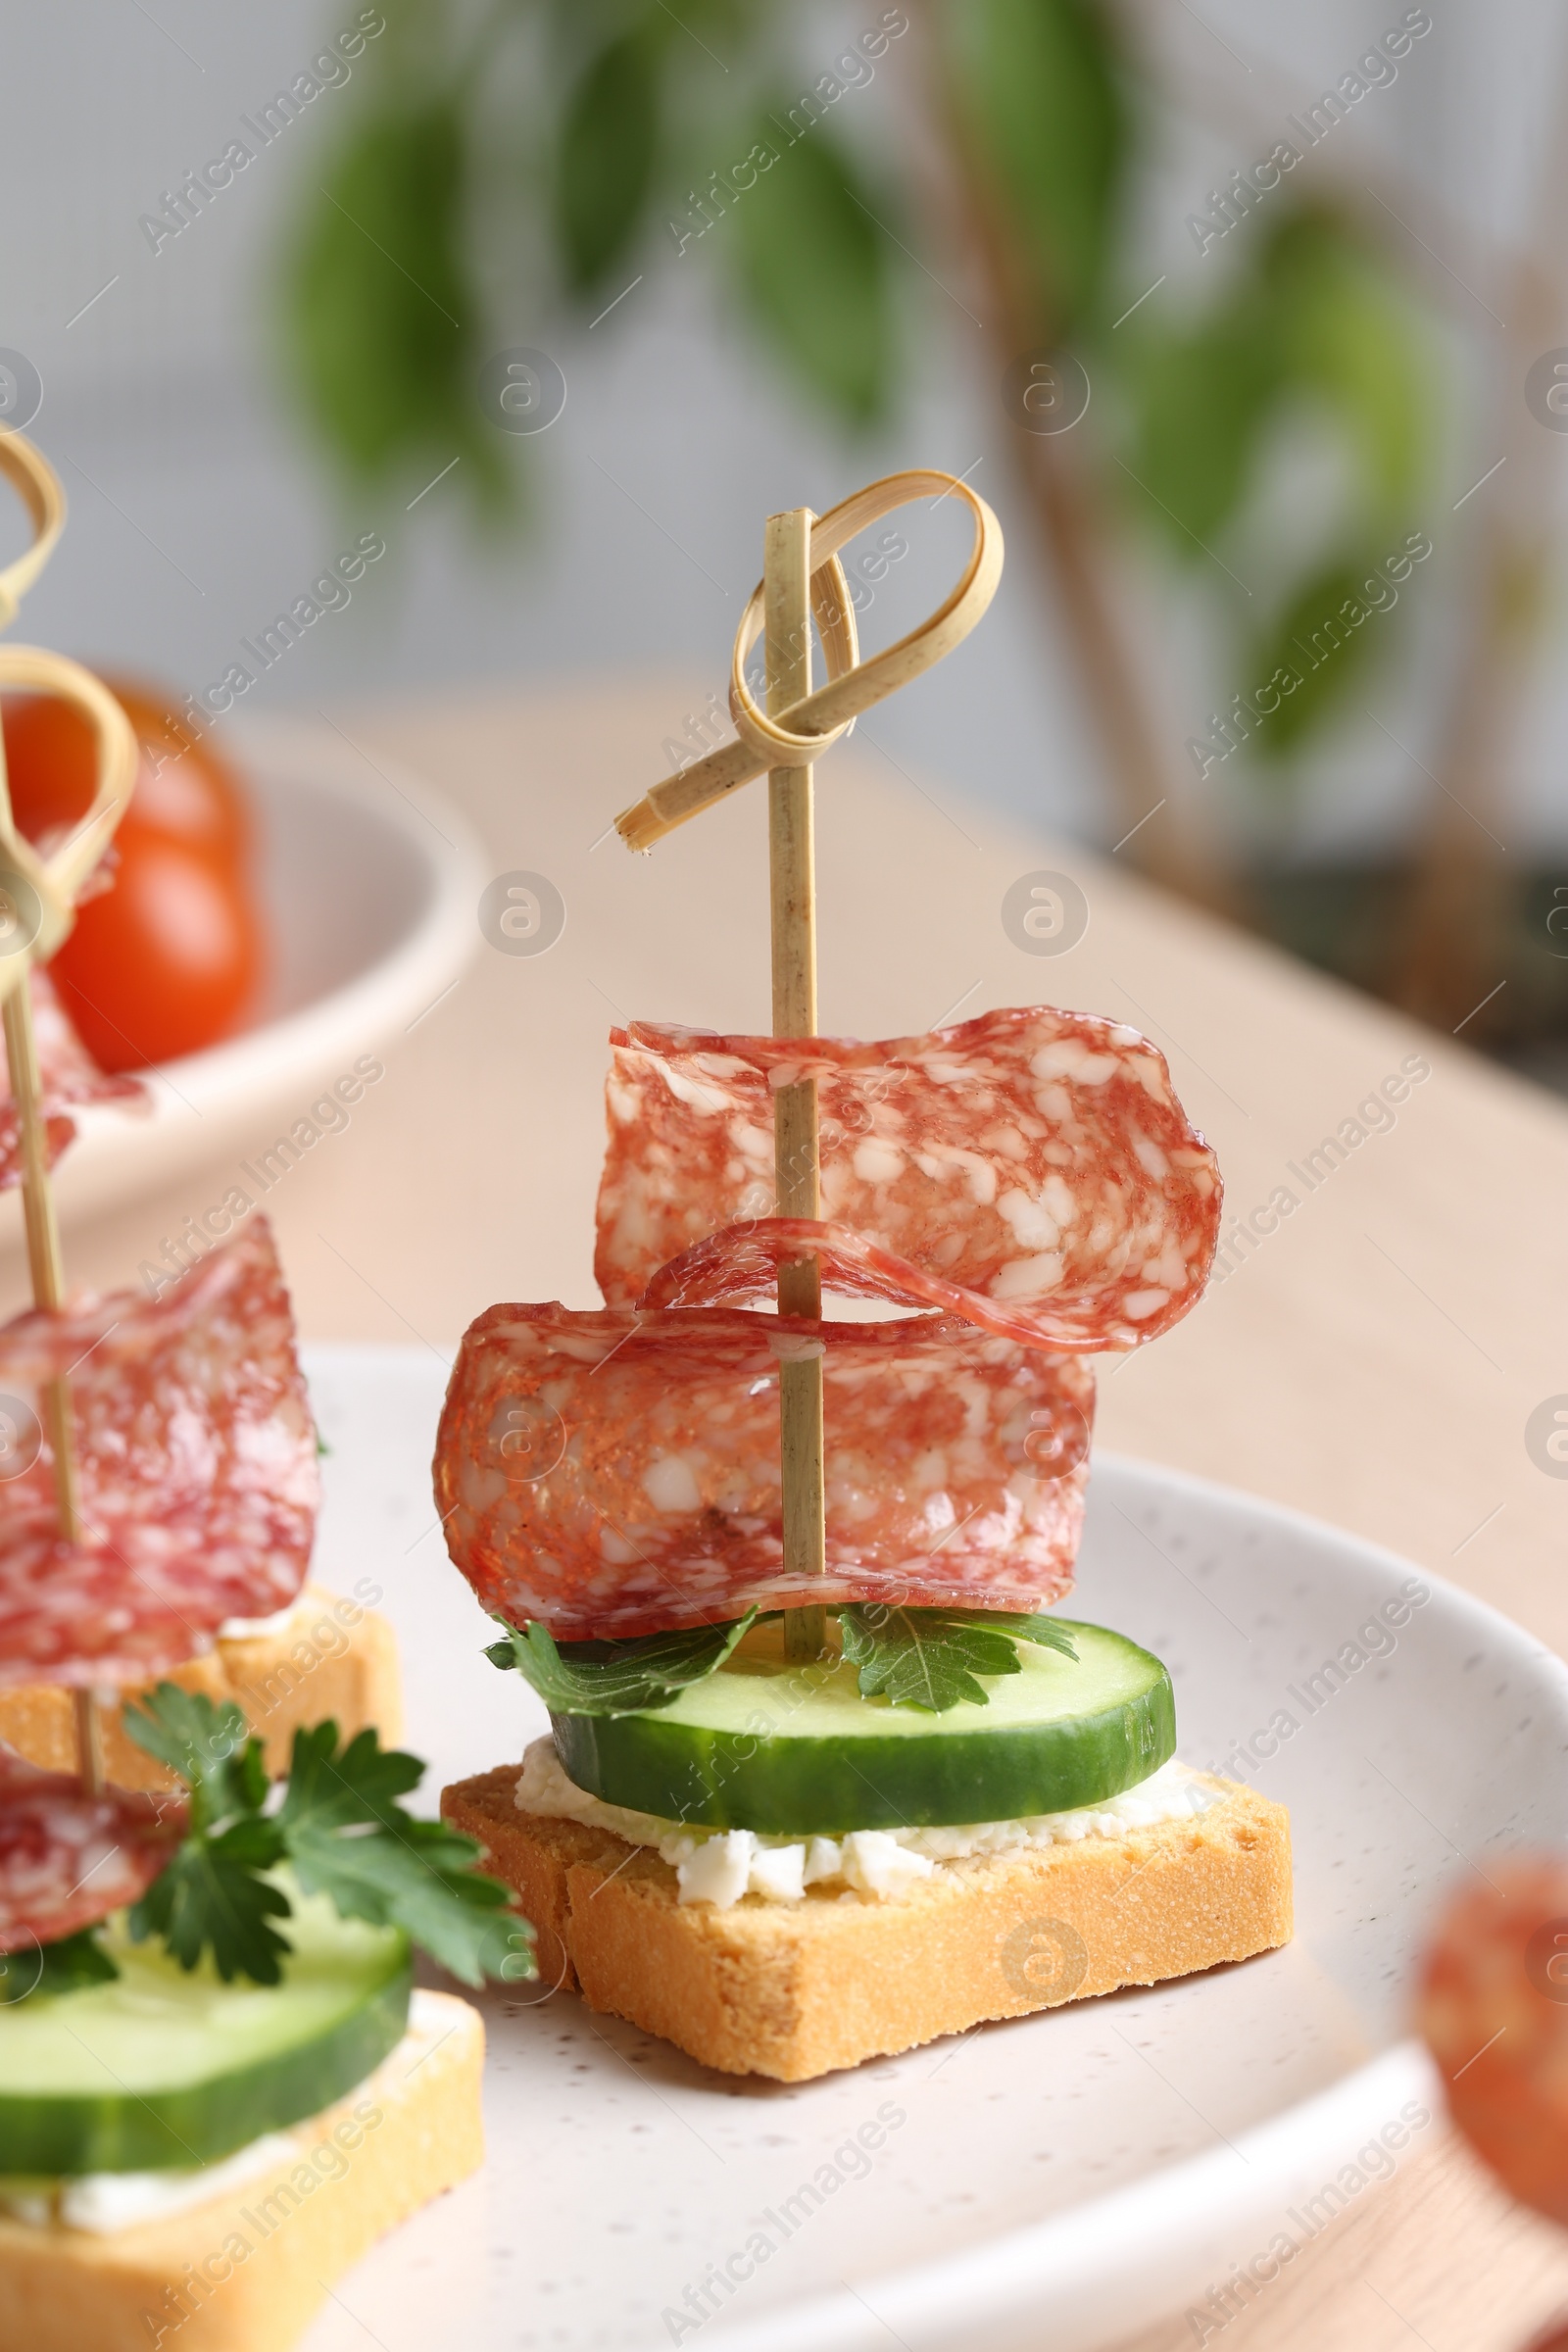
x=37 y=908
x=38 y=893
x=803 y=578
x=30 y=932
x=820 y=719
x=35 y=479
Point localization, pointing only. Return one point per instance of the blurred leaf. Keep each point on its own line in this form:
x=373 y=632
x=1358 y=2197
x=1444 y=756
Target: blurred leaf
x=604 y=163
x=1348 y=334
x=1039 y=89
x=1309 y=319
x=1203 y=402
x=68 y=1966
x=813 y=265
x=1318 y=638
x=208 y=1746
x=381 y=307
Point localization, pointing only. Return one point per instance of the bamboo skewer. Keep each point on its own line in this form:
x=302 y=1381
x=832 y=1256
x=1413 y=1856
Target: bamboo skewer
x=44 y=1262
x=47 y=1270
x=792 y=879
x=803 y=576
x=55 y=881
x=820 y=719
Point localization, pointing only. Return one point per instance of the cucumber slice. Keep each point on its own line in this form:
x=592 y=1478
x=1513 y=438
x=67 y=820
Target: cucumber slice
x=768 y=1745
x=162 y=2069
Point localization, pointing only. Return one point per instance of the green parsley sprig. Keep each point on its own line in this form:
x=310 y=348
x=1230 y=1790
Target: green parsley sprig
x=68 y=1966
x=929 y=1658
x=339 y=1830
x=616 y=1678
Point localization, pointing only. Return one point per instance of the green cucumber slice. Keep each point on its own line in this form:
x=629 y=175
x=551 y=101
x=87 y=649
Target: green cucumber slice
x=771 y=1745
x=164 y=2068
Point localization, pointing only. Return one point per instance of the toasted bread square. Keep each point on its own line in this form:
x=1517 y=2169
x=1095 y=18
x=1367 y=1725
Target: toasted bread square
x=246 y=2271
x=334 y=1658
x=797 y=1989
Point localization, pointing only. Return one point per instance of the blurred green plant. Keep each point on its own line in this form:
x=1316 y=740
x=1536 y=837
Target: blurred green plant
x=1310 y=333
x=551 y=149
x=384 y=309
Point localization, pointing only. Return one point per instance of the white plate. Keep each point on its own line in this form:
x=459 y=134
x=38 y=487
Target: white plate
x=372 y=885
x=1063 y=2179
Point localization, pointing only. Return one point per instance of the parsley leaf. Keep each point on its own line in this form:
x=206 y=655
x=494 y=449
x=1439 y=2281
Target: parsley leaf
x=346 y=1837
x=213 y=1896
x=930 y=1657
x=921 y=1657
x=616 y=1678
x=327 y=1791
x=419 y=1876
x=68 y=1966
x=913 y=1657
x=339 y=1830
x=1039 y=1627
x=208 y=1746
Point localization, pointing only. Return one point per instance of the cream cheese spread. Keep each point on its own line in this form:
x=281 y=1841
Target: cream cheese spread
x=265 y=1629
x=722 y=1866
x=102 y=2203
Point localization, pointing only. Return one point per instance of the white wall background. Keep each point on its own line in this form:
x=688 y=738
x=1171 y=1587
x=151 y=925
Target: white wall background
x=199 y=508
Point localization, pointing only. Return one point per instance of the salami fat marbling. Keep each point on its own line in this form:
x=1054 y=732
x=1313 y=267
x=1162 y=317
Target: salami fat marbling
x=618 y=1472
x=68 y=1858
x=196 y=1465
x=1030 y=1171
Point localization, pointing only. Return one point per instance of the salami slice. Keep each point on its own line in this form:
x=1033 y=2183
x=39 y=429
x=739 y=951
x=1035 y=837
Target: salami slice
x=66 y=1858
x=742 y=1262
x=68 y=1076
x=616 y=1473
x=1493 y=2009
x=1030 y=1171
x=196 y=1468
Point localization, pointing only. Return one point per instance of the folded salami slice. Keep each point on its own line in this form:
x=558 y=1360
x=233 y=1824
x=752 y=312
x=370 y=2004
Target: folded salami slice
x=196 y=1467
x=616 y=1473
x=1030 y=1170
x=742 y=1262
x=68 y=1075
x=67 y=1859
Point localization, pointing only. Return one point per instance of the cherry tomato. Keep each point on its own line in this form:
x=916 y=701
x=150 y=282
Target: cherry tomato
x=166 y=958
x=182 y=788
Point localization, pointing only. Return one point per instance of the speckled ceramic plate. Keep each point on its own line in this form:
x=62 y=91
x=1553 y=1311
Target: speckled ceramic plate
x=1061 y=2180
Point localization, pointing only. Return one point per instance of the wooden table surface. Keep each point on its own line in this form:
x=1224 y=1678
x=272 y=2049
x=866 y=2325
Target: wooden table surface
x=1372 y=1359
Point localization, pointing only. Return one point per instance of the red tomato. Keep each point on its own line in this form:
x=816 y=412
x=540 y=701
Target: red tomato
x=166 y=958
x=163 y=963
x=182 y=789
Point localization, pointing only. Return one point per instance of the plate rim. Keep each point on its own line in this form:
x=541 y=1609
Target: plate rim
x=119 y=1155
x=1184 y=2220
x=1167 y=2236
x=291 y=748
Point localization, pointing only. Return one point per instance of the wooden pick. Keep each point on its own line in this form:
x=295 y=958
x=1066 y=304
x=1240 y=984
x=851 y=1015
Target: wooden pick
x=46 y=1267
x=817 y=721
x=37 y=484
x=792 y=875
x=802 y=576
x=37 y=906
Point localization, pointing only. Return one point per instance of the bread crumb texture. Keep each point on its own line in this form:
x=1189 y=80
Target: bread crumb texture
x=336 y=1658
x=793 y=1990
x=247 y=2272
